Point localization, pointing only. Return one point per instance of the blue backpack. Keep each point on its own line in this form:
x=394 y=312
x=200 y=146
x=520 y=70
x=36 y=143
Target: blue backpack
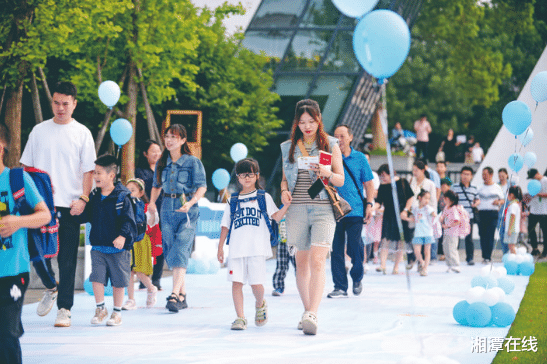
x=273 y=226
x=42 y=242
x=138 y=211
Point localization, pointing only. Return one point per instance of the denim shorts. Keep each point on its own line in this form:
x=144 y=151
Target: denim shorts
x=310 y=225
x=422 y=240
x=177 y=232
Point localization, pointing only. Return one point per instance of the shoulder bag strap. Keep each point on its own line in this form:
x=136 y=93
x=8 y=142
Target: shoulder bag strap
x=466 y=197
x=354 y=181
x=302 y=148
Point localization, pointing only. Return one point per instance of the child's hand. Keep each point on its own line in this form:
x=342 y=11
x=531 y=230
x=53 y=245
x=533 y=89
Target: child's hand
x=119 y=242
x=220 y=254
x=9 y=225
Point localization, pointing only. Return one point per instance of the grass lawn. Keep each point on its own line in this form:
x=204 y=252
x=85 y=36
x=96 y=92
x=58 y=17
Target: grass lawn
x=531 y=320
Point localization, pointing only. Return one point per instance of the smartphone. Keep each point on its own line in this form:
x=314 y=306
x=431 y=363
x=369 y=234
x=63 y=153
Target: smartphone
x=315 y=188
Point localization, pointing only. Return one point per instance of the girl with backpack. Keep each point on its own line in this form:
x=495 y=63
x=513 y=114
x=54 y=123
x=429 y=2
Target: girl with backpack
x=141 y=257
x=248 y=234
x=180 y=178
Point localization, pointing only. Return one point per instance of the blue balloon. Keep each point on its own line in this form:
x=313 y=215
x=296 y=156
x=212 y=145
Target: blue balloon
x=506 y=284
x=490 y=282
x=515 y=162
x=504 y=257
x=214 y=266
x=381 y=42
x=121 y=131
x=460 y=312
x=512 y=267
x=191 y=267
x=221 y=178
x=502 y=314
x=526 y=137
x=538 y=87
x=516 y=117
x=534 y=186
x=354 y=9
x=238 y=152
x=526 y=268
x=530 y=159
x=478 y=314
x=202 y=267
x=109 y=93
x=478 y=281
x=88 y=287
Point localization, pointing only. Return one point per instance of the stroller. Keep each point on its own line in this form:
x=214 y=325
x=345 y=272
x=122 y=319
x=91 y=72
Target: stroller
x=404 y=142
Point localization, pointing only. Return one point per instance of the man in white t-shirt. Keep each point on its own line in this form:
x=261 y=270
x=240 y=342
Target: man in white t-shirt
x=478 y=153
x=538 y=213
x=491 y=198
x=64 y=149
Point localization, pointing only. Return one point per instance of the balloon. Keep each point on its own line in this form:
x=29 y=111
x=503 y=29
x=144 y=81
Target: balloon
x=530 y=159
x=460 y=312
x=354 y=9
x=506 y=284
x=512 y=267
x=485 y=271
x=526 y=268
x=538 y=87
x=109 y=93
x=491 y=282
x=529 y=257
x=502 y=314
x=474 y=294
x=490 y=297
x=381 y=42
x=478 y=314
x=121 y=131
x=500 y=292
x=511 y=257
x=516 y=117
x=214 y=266
x=534 y=186
x=522 y=250
x=221 y=178
x=88 y=287
x=501 y=272
x=238 y=152
x=515 y=162
x=505 y=257
x=478 y=281
x=526 y=137
x=201 y=267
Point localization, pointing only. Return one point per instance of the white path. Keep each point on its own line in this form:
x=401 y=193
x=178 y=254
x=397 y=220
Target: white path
x=380 y=326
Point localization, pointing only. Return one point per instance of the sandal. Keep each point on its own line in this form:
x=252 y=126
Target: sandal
x=309 y=323
x=173 y=303
x=151 y=297
x=261 y=316
x=239 y=324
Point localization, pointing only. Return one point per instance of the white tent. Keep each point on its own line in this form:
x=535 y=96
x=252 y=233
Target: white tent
x=505 y=143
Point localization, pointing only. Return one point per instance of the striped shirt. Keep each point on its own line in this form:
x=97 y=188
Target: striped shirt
x=466 y=195
x=300 y=195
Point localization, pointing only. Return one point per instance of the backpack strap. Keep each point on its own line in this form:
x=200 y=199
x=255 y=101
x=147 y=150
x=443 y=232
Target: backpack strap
x=261 y=198
x=17 y=186
x=234 y=202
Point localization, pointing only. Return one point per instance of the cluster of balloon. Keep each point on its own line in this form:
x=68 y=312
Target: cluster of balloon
x=121 y=129
x=484 y=302
x=221 y=177
x=521 y=263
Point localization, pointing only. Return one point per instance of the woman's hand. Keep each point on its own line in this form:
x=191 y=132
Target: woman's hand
x=286 y=197
x=321 y=171
x=186 y=207
x=152 y=208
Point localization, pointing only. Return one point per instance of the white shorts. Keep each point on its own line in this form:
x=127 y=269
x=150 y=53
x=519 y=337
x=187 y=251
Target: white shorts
x=251 y=270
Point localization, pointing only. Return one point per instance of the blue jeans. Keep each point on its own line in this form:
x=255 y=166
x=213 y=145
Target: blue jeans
x=487 y=230
x=351 y=227
x=177 y=233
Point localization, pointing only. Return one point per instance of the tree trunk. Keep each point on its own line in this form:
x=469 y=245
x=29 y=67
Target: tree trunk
x=46 y=88
x=38 y=117
x=102 y=132
x=13 y=122
x=153 y=131
x=128 y=151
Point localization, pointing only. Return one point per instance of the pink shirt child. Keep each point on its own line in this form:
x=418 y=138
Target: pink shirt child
x=423 y=128
x=450 y=216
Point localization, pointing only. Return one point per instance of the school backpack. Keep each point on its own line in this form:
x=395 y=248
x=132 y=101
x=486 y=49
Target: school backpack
x=138 y=211
x=273 y=226
x=44 y=241
x=465 y=225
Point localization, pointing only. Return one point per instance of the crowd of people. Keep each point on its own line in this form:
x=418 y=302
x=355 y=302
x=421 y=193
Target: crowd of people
x=426 y=216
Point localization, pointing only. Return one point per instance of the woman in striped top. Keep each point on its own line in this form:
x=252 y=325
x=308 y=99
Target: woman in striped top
x=310 y=222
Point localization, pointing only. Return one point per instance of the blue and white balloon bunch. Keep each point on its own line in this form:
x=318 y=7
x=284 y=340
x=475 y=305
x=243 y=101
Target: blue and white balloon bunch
x=521 y=263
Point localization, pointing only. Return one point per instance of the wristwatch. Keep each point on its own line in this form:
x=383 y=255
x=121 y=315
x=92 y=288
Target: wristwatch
x=370 y=203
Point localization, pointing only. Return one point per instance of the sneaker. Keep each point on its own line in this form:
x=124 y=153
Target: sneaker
x=100 y=315
x=115 y=319
x=239 y=324
x=261 y=315
x=455 y=269
x=423 y=272
x=277 y=292
x=157 y=284
x=409 y=266
x=365 y=268
x=47 y=301
x=129 y=305
x=63 y=318
x=151 y=298
x=471 y=262
x=486 y=261
x=337 y=293
x=309 y=323
x=357 y=288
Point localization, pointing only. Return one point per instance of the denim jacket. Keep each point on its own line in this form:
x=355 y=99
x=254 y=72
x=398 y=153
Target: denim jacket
x=186 y=175
x=291 y=169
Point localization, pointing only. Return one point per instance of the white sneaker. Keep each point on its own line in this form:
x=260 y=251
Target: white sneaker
x=100 y=315
x=63 y=318
x=47 y=301
x=115 y=319
x=129 y=305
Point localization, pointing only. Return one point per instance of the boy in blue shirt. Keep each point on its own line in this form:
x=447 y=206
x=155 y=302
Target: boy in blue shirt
x=14 y=255
x=113 y=228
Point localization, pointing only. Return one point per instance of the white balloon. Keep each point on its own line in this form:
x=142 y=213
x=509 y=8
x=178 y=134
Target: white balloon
x=501 y=271
x=519 y=259
x=490 y=297
x=495 y=273
x=500 y=292
x=485 y=271
x=529 y=257
x=474 y=294
x=511 y=257
x=522 y=250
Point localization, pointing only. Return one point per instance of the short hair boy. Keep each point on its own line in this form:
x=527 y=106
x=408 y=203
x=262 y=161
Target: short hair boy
x=14 y=255
x=113 y=227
